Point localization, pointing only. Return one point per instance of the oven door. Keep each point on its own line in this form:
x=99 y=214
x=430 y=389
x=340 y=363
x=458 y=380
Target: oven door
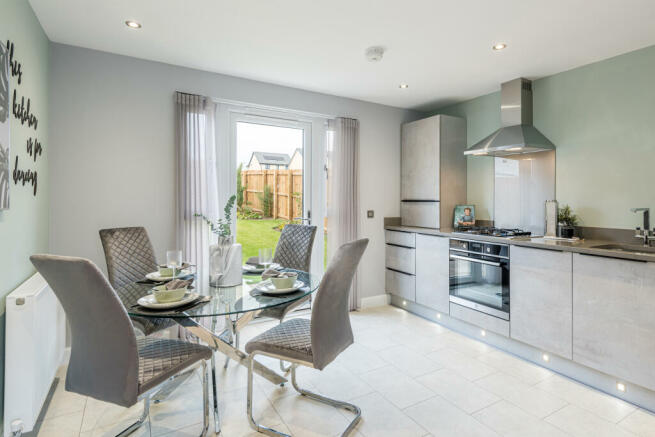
x=480 y=282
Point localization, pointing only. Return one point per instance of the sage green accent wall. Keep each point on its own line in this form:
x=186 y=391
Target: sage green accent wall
x=601 y=118
x=24 y=227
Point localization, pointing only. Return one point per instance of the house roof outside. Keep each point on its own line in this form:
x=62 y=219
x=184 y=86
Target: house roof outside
x=271 y=158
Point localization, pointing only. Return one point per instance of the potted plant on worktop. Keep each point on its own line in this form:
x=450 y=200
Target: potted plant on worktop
x=566 y=222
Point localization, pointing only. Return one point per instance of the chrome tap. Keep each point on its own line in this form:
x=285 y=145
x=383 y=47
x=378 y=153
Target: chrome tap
x=646 y=235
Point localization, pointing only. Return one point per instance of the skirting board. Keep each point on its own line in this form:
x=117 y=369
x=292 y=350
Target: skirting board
x=634 y=394
x=375 y=301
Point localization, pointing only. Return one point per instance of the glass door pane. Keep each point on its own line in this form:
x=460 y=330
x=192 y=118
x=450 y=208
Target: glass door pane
x=270 y=181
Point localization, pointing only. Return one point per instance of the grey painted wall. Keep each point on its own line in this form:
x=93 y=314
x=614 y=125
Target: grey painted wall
x=24 y=227
x=114 y=162
x=601 y=118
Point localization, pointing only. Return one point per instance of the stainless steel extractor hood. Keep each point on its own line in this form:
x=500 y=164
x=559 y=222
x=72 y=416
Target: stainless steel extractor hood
x=517 y=135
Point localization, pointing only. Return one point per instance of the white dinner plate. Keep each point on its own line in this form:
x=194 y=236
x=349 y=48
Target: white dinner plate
x=268 y=287
x=250 y=268
x=155 y=276
x=149 y=301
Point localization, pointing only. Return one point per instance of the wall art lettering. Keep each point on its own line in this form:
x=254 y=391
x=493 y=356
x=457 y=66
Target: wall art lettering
x=15 y=66
x=23 y=112
x=25 y=176
x=4 y=128
x=34 y=148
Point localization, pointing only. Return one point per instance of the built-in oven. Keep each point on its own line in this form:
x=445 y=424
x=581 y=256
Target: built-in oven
x=479 y=276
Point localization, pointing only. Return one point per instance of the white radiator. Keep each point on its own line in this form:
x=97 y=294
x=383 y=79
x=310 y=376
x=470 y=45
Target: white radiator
x=34 y=349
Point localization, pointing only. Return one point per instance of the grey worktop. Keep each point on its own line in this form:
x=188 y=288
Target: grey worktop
x=579 y=246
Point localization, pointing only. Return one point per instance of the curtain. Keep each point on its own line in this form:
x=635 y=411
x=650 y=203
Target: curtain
x=196 y=176
x=343 y=190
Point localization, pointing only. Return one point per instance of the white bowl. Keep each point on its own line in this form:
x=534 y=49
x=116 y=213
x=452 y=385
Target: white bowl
x=284 y=283
x=162 y=295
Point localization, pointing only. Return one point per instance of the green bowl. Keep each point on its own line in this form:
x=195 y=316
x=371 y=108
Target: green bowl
x=162 y=295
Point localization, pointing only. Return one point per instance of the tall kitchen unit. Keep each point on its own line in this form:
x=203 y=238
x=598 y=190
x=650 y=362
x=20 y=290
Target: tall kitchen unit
x=433 y=171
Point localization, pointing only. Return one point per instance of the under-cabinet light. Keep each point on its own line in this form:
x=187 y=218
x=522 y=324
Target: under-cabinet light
x=545 y=357
x=620 y=386
x=483 y=333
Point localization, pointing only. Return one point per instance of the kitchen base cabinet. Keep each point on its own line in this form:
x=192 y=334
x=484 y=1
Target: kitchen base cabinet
x=401 y=284
x=489 y=323
x=432 y=264
x=400 y=258
x=541 y=310
x=614 y=317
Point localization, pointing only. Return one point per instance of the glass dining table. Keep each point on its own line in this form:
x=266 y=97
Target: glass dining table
x=237 y=305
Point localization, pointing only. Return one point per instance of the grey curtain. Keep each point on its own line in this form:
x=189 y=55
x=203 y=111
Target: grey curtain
x=196 y=175
x=343 y=190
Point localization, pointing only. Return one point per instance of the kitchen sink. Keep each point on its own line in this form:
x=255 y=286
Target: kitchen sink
x=627 y=248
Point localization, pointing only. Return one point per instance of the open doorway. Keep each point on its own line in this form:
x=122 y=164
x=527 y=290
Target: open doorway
x=271 y=180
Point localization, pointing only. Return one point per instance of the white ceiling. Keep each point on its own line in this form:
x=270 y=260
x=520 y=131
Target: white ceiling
x=442 y=49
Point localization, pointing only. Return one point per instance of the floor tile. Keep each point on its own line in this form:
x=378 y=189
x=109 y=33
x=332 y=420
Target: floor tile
x=380 y=418
x=359 y=359
x=509 y=420
x=461 y=363
x=581 y=423
x=533 y=400
x=442 y=419
x=334 y=381
x=396 y=387
x=603 y=405
x=640 y=423
x=458 y=390
x=306 y=417
x=518 y=368
x=65 y=425
x=64 y=402
x=408 y=361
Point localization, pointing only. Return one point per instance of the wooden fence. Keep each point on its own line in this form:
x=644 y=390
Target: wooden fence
x=286 y=186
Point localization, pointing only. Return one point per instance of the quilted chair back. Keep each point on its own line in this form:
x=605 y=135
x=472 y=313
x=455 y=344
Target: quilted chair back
x=330 y=329
x=128 y=253
x=294 y=249
x=104 y=362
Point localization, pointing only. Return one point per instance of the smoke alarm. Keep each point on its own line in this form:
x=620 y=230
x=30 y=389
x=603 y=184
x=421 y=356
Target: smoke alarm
x=374 y=53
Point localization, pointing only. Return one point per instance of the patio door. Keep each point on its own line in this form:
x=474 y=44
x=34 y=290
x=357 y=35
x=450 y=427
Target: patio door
x=277 y=174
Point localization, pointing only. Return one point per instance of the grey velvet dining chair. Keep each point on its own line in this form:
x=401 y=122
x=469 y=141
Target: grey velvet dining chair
x=108 y=362
x=317 y=342
x=129 y=257
x=293 y=251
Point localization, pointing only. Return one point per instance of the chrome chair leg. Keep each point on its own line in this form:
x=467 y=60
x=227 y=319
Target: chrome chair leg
x=333 y=402
x=217 y=424
x=205 y=401
x=136 y=425
x=254 y=425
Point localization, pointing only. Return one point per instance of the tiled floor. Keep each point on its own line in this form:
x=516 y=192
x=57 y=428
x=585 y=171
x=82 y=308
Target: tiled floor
x=411 y=377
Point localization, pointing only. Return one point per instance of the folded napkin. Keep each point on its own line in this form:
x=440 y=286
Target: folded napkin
x=176 y=284
x=253 y=261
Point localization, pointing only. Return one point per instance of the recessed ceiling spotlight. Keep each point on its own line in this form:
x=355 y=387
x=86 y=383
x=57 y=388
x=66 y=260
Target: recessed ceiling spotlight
x=403 y=86
x=499 y=46
x=133 y=24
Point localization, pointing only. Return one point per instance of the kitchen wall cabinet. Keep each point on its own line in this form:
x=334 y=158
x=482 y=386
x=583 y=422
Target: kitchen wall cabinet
x=614 y=326
x=432 y=264
x=432 y=170
x=541 y=309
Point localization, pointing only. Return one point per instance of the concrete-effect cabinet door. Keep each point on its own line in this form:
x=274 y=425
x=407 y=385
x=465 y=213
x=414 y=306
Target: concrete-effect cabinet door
x=432 y=269
x=541 y=299
x=614 y=317
x=420 y=160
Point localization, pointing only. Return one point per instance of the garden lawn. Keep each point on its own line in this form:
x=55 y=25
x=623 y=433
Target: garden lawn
x=256 y=234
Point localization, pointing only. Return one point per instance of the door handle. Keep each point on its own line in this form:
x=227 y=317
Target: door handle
x=475 y=260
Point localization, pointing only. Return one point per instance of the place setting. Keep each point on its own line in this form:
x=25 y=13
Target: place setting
x=174 y=268
x=256 y=265
x=277 y=282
